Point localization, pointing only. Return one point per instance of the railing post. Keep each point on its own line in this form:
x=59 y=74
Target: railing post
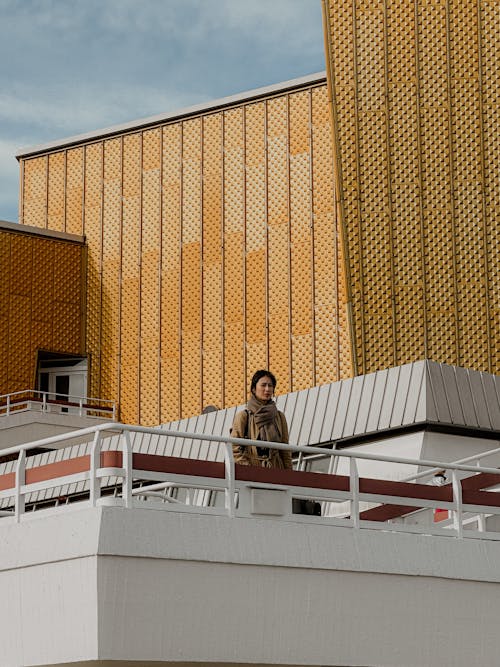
x=80 y=410
x=457 y=499
x=20 y=481
x=8 y=405
x=95 y=464
x=127 y=464
x=354 y=489
x=230 y=479
x=44 y=402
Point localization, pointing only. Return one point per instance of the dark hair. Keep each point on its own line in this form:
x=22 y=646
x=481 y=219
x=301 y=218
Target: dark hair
x=262 y=374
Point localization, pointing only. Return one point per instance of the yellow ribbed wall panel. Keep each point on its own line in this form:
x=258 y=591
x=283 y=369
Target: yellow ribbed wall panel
x=256 y=284
x=332 y=343
x=278 y=240
x=415 y=119
x=150 y=277
x=111 y=269
x=93 y=229
x=301 y=242
x=41 y=293
x=490 y=45
x=130 y=285
x=171 y=273
x=34 y=192
x=191 y=358
x=212 y=251
x=4 y=311
x=56 y=192
x=213 y=162
x=234 y=256
x=74 y=190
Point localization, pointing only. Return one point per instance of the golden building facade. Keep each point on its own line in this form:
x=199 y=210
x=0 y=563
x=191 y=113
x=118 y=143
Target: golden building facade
x=41 y=302
x=321 y=231
x=212 y=250
x=414 y=87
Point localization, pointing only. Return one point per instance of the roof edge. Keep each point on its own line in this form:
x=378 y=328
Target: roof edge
x=197 y=109
x=19 y=228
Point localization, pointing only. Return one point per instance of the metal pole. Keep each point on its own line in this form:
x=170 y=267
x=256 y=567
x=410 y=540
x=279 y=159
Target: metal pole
x=457 y=499
x=95 y=464
x=20 y=481
x=230 y=479
x=127 y=464
x=354 y=489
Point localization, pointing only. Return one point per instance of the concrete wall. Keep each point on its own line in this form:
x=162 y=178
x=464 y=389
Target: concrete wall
x=145 y=585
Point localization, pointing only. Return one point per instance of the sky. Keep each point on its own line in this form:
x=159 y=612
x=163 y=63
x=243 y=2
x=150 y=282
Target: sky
x=73 y=66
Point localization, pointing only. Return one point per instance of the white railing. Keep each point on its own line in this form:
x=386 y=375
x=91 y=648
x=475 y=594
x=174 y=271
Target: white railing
x=427 y=475
x=44 y=401
x=253 y=497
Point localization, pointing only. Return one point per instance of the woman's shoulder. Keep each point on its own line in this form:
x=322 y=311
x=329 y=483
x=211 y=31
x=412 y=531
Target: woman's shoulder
x=240 y=419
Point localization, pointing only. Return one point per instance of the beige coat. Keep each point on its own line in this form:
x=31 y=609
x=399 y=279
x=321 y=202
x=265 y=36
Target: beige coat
x=249 y=456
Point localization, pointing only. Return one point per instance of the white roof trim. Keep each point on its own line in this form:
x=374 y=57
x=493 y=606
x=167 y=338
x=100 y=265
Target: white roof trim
x=197 y=109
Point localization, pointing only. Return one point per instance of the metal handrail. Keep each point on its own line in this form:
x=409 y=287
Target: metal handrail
x=466 y=459
x=11 y=402
x=126 y=471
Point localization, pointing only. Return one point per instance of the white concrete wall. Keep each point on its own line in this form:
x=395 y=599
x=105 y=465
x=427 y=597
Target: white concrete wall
x=146 y=585
x=188 y=611
x=48 y=613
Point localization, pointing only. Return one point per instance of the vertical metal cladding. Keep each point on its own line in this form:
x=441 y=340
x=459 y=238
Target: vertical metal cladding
x=415 y=155
x=332 y=342
x=111 y=267
x=212 y=257
x=171 y=273
x=34 y=191
x=40 y=304
x=191 y=341
x=301 y=242
x=234 y=258
x=74 y=191
x=55 y=193
x=257 y=354
x=212 y=251
x=93 y=230
x=278 y=240
x=130 y=304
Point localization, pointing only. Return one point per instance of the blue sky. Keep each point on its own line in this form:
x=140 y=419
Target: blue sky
x=71 y=66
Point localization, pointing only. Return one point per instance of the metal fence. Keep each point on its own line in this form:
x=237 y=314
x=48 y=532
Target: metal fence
x=44 y=401
x=211 y=487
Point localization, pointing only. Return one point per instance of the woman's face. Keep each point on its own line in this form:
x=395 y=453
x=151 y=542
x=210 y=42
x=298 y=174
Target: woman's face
x=264 y=389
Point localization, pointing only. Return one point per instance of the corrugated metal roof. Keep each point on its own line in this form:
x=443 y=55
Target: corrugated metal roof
x=416 y=393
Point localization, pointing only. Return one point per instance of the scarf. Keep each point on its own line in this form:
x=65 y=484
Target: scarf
x=266 y=419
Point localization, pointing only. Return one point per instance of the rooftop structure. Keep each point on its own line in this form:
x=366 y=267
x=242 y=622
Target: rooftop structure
x=188 y=548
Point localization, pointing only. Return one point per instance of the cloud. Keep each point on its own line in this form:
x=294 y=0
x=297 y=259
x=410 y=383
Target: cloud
x=73 y=66
x=9 y=181
x=76 y=109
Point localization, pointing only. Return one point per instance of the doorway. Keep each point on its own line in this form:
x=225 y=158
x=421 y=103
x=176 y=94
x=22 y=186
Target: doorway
x=62 y=378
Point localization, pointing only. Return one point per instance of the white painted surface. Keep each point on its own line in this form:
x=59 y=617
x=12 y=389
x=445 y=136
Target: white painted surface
x=275 y=615
x=21 y=427
x=145 y=585
x=451 y=447
x=48 y=613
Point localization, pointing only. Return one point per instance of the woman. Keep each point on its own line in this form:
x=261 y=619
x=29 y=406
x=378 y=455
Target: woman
x=261 y=421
